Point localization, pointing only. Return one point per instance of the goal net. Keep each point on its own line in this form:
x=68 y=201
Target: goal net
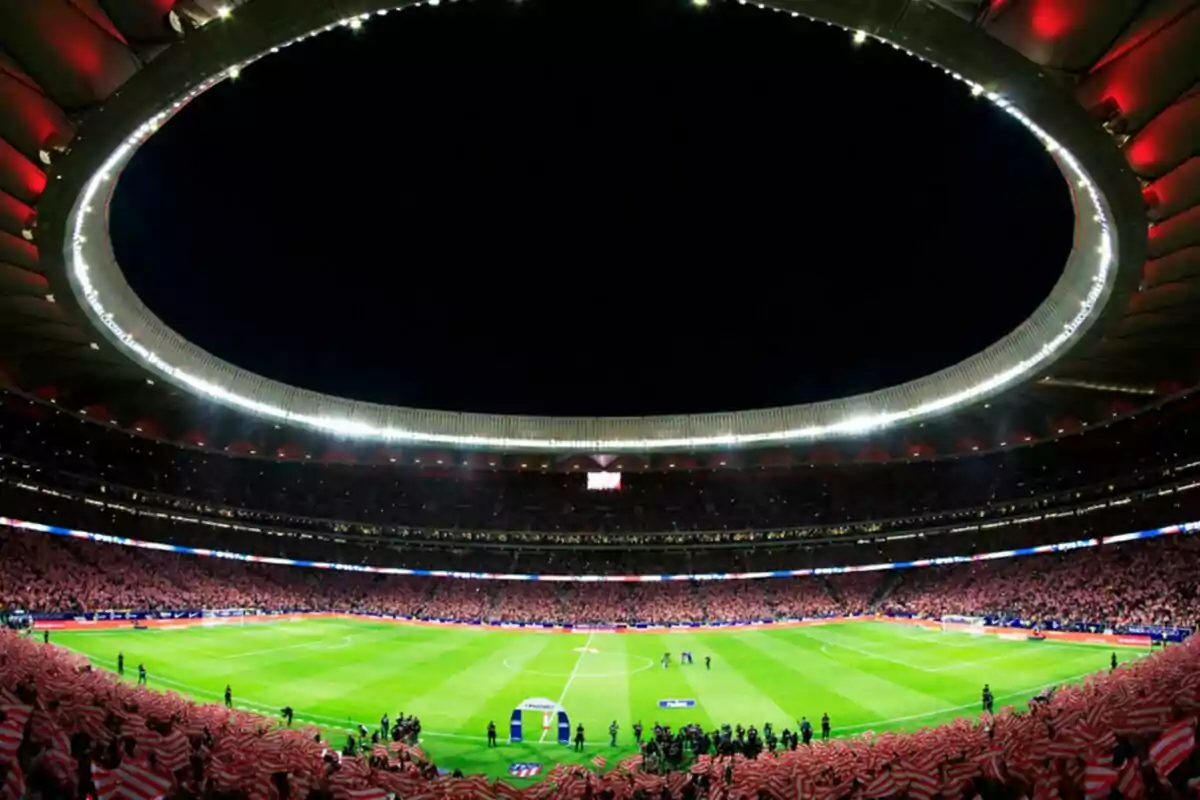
x=227 y=616
x=959 y=624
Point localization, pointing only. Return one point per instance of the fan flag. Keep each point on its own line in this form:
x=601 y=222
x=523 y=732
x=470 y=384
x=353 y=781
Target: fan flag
x=1175 y=746
x=247 y=749
x=1130 y=783
x=363 y=794
x=10 y=741
x=14 y=783
x=525 y=770
x=1098 y=781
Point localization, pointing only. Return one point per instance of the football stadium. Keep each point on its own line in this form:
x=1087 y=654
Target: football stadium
x=306 y=490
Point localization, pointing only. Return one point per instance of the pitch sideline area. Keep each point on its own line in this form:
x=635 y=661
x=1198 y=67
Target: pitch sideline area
x=339 y=672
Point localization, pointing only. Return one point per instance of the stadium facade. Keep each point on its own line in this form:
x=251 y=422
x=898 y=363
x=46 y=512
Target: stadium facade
x=1106 y=87
x=1061 y=495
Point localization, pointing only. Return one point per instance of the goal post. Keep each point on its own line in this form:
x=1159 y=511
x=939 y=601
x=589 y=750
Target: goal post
x=226 y=616
x=956 y=623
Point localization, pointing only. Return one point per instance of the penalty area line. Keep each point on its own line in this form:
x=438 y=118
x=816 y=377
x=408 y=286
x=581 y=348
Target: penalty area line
x=324 y=645
x=965 y=706
x=571 y=678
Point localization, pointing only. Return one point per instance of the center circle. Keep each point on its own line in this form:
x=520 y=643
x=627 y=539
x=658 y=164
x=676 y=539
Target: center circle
x=718 y=206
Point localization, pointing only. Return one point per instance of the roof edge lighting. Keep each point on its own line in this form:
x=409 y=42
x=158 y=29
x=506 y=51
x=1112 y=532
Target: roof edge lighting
x=1046 y=336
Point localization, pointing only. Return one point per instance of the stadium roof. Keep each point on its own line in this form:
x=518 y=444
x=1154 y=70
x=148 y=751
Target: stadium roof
x=1110 y=88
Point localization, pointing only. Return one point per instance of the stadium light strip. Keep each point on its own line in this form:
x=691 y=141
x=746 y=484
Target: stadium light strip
x=857 y=424
x=1061 y=547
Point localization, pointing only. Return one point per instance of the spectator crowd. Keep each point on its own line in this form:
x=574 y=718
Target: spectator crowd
x=68 y=731
x=111 y=511
x=1143 y=582
x=437 y=492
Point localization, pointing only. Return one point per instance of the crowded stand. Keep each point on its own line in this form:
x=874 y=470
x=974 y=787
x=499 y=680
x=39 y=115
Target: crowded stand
x=1093 y=496
x=69 y=731
x=798 y=599
x=1118 y=459
x=856 y=593
x=664 y=603
x=1152 y=583
x=466 y=600
x=1095 y=588
x=1166 y=504
x=538 y=602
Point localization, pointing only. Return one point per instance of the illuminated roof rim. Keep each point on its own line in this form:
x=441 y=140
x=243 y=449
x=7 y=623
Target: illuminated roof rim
x=110 y=304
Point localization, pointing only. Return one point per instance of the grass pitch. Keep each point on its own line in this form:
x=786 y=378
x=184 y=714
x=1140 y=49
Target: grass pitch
x=338 y=672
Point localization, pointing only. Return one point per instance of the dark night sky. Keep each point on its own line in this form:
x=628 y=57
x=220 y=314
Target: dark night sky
x=591 y=207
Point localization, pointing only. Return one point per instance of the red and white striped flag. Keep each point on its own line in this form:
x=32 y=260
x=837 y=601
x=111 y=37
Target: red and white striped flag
x=223 y=774
x=505 y=791
x=57 y=763
x=922 y=786
x=600 y=761
x=1098 y=780
x=15 y=713
x=1174 y=746
x=105 y=782
x=360 y=794
x=10 y=739
x=139 y=782
x=1130 y=784
x=884 y=785
x=1147 y=718
x=14 y=783
x=630 y=763
x=173 y=751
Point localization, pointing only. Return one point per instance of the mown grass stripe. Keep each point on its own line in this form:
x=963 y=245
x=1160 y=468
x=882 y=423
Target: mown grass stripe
x=336 y=673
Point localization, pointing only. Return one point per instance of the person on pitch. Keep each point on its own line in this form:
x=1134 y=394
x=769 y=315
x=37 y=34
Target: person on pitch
x=612 y=734
x=579 y=738
x=120 y=663
x=491 y=733
x=141 y=674
x=288 y=714
x=1114 y=661
x=666 y=659
x=384 y=727
x=988 y=700
x=228 y=696
x=825 y=727
x=806 y=731
x=637 y=733
x=708 y=662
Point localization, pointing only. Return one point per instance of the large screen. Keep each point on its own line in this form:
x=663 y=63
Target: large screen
x=604 y=481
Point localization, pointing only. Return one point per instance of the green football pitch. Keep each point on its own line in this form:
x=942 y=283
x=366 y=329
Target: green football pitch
x=338 y=672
